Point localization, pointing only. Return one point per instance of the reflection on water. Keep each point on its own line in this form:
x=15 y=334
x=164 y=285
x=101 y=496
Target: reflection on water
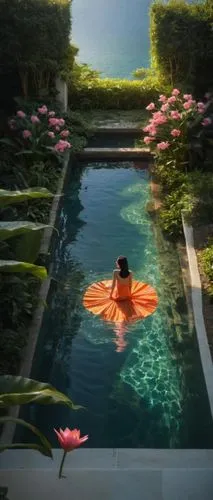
x=141 y=384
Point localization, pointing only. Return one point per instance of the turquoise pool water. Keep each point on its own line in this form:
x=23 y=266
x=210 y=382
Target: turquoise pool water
x=145 y=389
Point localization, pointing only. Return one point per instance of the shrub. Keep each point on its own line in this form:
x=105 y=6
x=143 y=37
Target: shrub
x=34 y=40
x=182 y=43
x=106 y=93
x=206 y=260
x=169 y=127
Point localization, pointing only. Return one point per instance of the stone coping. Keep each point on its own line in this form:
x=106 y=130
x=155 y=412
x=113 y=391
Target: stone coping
x=115 y=153
x=109 y=458
x=196 y=292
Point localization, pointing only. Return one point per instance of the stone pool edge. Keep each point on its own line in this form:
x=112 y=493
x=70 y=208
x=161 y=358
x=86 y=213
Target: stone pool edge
x=26 y=365
x=196 y=294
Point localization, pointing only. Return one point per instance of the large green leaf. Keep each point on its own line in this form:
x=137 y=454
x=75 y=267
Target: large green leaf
x=16 y=228
x=20 y=391
x=44 y=447
x=10 y=197
x=13 y=266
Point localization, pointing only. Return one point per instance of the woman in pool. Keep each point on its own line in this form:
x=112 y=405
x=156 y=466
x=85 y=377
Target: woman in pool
x=128 y=301
x=122 y=280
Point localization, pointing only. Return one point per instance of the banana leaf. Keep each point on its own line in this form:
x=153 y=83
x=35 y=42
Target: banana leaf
x=17 y=228
x=13 y=266
x=10 y=197
x=20 y=391
x=44 y=447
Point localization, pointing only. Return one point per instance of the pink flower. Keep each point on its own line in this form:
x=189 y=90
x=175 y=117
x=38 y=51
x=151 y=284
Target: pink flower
x=175 y=115
x=163 y=145
x=61 y=146
x=151 y=106
x=43 y=110
x=21 y=114
x=188 y=104
x=51 y=135
x=160 y=120
x=201 y=107
x=148 y=139
x=64 y=133
x=165 y=107
x=153 y=131
x=35 y=119
x=70 y=439
x=51 y=113
x=162 y=98
x=57 y=128
x=61 y=122
x=53 y=122
x=172 y=99
x=206 y=122
x=26 y=134
x=175 y=92
x=187 y=97
x=175 y=132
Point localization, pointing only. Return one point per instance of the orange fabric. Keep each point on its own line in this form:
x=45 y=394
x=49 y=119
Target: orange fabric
x=142 y=303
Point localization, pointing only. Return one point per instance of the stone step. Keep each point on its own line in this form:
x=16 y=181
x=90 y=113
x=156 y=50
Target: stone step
x=115 y=153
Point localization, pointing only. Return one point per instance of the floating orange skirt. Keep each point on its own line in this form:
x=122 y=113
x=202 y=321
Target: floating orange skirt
x=142 y=303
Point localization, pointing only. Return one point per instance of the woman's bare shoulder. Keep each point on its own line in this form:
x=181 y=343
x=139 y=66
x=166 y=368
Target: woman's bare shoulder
x=116 y=271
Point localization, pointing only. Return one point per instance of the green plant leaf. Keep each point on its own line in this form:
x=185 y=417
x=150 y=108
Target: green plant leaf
x=7 y=142
x=13 y=266
x=44 y=447
x=31 y=446
x=9 y=197
x=16 y=228
x=20 y=390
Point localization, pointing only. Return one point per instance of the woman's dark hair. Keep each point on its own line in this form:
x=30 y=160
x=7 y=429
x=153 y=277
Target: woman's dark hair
x=123 y=265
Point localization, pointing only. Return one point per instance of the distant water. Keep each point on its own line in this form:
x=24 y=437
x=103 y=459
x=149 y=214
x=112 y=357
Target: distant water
x=113 y=35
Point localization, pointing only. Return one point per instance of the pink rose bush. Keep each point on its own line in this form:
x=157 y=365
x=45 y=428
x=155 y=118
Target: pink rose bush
x=42 y=131
x=166 y=132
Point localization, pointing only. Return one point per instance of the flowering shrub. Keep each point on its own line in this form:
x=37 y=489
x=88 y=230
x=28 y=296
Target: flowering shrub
x=40 y=132
x=168 y=127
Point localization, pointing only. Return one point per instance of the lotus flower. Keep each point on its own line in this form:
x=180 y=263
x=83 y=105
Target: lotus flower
x=69 y=440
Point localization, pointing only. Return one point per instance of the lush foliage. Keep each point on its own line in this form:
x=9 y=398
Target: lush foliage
x=169 y=127
x=171 y=138
x=206 y=261
x=34 y=41
x=20 y=391
x=88 y=91
x=182 y=43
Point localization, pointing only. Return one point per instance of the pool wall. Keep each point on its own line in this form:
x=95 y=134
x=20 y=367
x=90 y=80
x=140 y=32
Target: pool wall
x=196 y=292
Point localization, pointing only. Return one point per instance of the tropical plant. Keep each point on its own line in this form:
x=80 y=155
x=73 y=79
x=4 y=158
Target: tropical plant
x=10 y=229
x=169 y=127
x=38 y=134
x=20 y=391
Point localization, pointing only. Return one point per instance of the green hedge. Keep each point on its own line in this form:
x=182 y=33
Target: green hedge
x=109 y=93
x=34 y=39
x=182 y=43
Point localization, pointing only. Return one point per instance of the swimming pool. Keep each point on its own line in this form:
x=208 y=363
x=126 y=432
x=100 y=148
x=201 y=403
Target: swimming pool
x=145 y=389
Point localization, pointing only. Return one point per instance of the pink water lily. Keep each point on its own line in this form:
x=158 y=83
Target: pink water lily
x=69 y=441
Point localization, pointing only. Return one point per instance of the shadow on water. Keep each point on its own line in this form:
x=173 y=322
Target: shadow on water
x=141 y=386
